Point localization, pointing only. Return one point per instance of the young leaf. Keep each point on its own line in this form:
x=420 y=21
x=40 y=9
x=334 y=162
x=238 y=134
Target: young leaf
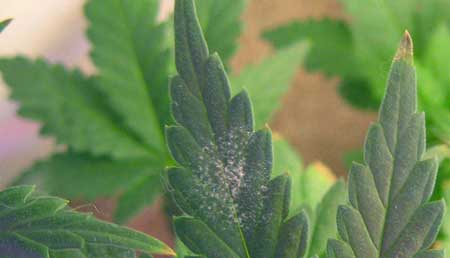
x=389 y=213
x=232 y=208
x=34 y=226
x=114 y=115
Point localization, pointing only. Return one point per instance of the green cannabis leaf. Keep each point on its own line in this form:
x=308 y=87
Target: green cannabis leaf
x=313 y=189
x=446 y=224
x=389 y=213
x=221 y=24
x=268 y=81
x=223 y=183
x=36 y=226
x=357 y=51
x=113 y=122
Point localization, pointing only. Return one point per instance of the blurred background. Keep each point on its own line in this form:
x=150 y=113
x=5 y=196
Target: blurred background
x=313 y=117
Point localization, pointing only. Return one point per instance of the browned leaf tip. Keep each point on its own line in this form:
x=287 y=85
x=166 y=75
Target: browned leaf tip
x=405 y=51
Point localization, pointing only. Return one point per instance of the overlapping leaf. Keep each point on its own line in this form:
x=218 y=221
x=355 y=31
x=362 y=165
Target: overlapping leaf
x=73 y=176
x=390 y=214
x=221 y=24
x=119 y=114
x=369 y=40
x=34 y=226
x=112 y=122
x=313 y=189
x=223 y=183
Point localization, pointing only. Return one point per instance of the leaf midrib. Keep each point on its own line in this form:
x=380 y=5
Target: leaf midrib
x=129 y=37
x=389 y=199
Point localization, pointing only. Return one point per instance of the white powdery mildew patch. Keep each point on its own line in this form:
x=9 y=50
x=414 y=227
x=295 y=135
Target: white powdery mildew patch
x=215 y=201
x=229 y=174
x=220 y=182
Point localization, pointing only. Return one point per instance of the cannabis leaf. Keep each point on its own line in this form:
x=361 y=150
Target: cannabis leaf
x=221 y=24
x=223 y=183
x=38 y=226
x=319 y=33
x=124 y=60
x=389 y=213
x=268 y=81
x=113 y=122
x=446 y=224
x=313 y=189
x=357 y=51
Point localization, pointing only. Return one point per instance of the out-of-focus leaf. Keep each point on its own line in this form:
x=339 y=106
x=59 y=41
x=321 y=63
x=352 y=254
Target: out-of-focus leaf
x=331 y=44
x=221 y=24
x=269 y=80
x=323 y=222
x=113 y=121
x=81 y=176
x=117 y=42
x=70 y=107
x=313 y=189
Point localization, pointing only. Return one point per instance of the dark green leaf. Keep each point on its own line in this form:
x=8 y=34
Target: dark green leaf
x=358 y=51
x=390 y=214
x=223 y=182
x=42 y=227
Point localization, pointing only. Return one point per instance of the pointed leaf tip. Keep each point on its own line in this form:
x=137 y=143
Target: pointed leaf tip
x=405 y=50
